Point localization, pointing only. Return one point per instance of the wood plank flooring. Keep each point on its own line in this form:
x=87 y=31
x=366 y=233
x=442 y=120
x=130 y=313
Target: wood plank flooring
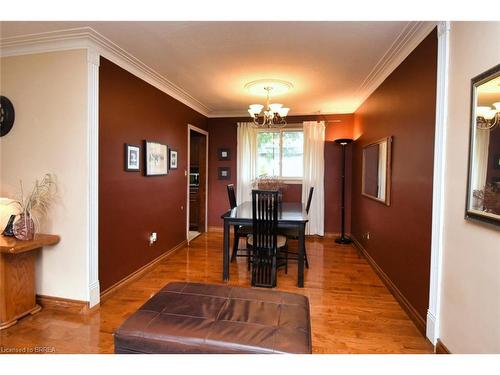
x=352 y=311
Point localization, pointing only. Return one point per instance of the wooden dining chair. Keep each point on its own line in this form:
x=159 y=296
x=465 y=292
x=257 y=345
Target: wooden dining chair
x=240 y=231
x=265 y=242
x=293 y=234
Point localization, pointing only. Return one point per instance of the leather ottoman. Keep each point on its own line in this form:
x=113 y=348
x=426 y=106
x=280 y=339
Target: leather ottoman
x=209 y=318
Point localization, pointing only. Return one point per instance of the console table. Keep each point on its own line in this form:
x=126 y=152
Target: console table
x=17 y=277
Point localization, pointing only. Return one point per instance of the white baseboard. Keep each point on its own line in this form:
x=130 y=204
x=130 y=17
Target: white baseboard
x=431 y=330
x=94 y=295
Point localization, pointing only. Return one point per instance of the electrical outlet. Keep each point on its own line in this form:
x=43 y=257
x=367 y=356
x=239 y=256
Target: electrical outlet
x=153 y=237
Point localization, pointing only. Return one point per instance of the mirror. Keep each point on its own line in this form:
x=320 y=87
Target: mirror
x=483 y=188
x=376 y=179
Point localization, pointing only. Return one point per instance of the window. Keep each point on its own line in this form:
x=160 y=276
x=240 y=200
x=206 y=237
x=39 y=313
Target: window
x=280 y=153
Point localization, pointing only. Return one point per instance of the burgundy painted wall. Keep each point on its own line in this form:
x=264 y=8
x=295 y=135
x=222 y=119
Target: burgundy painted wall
x=400 y=235
x=223 y=134
x=131 y=206
x=493 y=152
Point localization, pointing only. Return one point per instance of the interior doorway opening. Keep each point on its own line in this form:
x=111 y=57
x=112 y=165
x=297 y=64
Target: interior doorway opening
x=197 y=182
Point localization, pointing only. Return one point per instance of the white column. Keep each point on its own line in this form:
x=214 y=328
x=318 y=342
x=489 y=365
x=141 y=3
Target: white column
x=438 y=183
x=93 y=176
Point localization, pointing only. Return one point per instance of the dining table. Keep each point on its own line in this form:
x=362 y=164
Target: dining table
x=290 y=215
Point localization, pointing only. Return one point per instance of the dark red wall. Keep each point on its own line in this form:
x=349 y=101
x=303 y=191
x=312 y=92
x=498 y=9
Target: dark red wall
x=131 y=206
x=493 y=152
x=400 y=235
x=223 y=135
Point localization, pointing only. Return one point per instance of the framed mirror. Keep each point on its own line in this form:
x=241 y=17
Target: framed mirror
x=483 y=186
x=376 y=178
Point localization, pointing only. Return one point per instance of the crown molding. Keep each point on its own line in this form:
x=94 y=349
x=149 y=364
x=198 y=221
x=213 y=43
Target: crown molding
x=88 y=38
x=411 y=36
x=223 y=114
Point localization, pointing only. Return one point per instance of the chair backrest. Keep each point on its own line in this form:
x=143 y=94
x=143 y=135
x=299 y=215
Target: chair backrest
x=265 y=224
x=309 y=199
x=265 y=219
x=231 y=196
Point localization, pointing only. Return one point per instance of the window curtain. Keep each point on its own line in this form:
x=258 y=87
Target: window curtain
x=480 y=159
x=314 y=170
x=245 y=160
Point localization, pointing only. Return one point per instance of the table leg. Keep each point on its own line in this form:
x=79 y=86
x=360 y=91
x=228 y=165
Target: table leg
x=225 y=252
x=302 y=230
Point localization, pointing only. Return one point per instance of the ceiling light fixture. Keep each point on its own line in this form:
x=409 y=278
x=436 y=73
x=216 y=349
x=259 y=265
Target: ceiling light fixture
x=486 y=117
x=274 y=113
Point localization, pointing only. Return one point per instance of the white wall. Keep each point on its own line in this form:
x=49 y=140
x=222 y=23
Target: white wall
x=470 y=292
x=49 y=93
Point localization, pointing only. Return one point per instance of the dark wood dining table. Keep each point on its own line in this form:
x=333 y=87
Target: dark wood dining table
x=290 y=215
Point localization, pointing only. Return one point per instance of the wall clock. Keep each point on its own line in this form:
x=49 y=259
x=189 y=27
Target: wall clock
x=7 y=115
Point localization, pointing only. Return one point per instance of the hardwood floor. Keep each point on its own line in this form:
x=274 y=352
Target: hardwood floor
x=352 y=311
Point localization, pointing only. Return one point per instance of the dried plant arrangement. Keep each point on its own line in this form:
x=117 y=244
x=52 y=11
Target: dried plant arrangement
x=34 y=206
x=268 y=183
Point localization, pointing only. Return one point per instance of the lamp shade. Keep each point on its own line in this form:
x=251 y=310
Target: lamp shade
x=255 y=108
x=283 y=112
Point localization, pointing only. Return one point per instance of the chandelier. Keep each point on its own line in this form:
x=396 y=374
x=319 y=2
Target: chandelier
x=274 y=114
x=486 y=117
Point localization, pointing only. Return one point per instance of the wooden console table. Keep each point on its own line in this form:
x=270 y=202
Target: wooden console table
x=17 y=277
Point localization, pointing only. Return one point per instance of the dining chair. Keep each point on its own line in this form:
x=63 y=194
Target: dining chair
x=265 y=242
x=293 y=234
x=240 y=231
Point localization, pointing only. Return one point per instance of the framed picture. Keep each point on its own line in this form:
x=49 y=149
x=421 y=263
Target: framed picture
x=173 y=159
x=224 y=173
x=155 y=158
x=224 y=154
x=132 y=158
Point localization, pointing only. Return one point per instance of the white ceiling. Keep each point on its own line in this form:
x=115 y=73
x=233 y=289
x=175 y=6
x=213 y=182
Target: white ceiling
x=333 y=66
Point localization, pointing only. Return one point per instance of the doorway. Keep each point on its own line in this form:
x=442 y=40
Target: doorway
x=197 y=182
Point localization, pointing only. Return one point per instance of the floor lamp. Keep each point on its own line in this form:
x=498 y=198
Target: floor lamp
x=343 y=239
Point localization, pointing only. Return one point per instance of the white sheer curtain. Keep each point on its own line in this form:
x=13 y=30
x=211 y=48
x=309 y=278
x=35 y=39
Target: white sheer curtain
x=480 y=159
x=246 y=154
x=314 y=170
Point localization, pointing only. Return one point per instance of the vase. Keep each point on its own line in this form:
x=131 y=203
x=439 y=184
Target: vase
x=24 y=228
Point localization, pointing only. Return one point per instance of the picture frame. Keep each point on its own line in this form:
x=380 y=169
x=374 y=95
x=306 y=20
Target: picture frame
x=224 y=154
x=132 y=158
x=173 y=159
x=482 y=203
x=155 y=158
x=224 y=173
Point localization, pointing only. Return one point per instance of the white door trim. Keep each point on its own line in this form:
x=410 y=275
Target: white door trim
x=204 y=132
x=438 y=202
x=93 y=294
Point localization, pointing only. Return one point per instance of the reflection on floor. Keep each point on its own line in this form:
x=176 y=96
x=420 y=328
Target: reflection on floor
x=192 y=234
x=351 y=309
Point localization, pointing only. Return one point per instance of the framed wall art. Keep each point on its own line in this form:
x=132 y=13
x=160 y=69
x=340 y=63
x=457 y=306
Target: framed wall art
x=224 y=154
x=132 y=158
x=155 y=158
x=224 y=173
x=173 y=159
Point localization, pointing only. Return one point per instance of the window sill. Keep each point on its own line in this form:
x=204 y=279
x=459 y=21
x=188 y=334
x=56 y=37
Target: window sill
x=291 y=181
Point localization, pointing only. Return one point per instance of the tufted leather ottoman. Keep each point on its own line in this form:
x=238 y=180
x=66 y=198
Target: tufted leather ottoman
x=208 y=318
